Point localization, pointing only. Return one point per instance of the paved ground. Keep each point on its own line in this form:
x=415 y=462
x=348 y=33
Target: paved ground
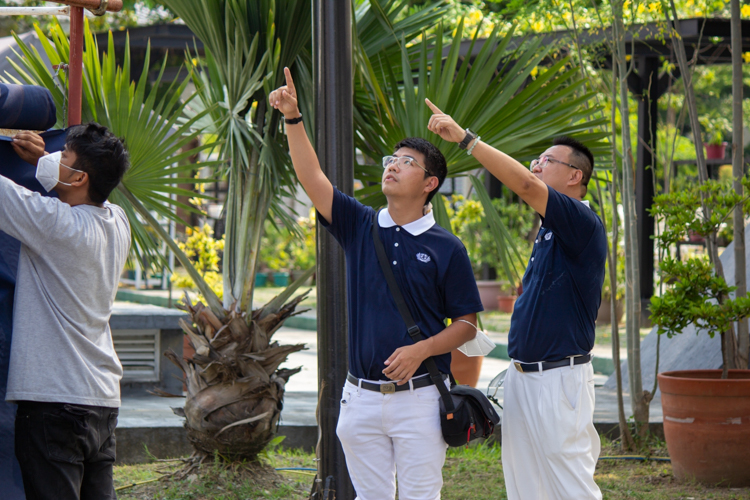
x=140 y=409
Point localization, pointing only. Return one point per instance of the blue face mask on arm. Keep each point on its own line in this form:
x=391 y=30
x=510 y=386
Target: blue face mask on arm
x=48 y=171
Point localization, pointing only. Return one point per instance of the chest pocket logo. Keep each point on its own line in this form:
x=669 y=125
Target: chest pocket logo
x=423 y=257
x=547 y=236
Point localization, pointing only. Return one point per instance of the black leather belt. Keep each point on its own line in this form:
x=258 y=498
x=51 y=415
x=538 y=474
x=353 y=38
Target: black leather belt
x=391 y=387
x=548 y=365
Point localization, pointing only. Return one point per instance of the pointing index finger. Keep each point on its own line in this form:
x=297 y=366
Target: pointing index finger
x=289 y=81
x=434 y=108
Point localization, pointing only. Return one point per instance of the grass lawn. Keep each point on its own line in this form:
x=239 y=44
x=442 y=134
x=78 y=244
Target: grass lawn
x=469 y=474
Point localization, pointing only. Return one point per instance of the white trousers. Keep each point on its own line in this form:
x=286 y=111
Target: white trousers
x=388 y=434
x=550 y=446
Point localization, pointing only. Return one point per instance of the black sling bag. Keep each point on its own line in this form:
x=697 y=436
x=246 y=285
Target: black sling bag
x=465 y=412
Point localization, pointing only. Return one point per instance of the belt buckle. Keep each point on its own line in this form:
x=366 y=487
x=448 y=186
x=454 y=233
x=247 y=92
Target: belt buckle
x=518 y=366
x=389 y=388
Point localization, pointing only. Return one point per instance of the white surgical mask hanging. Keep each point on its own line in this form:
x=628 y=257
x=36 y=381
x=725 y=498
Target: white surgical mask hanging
x=48 y=171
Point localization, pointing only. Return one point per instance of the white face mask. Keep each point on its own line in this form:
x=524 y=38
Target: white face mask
x=48 y=171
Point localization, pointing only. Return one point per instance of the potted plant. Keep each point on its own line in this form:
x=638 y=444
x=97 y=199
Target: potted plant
x=715 y=128
x=506 y=299
x=706 y=422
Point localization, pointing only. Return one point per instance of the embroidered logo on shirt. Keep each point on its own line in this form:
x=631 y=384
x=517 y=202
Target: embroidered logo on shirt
x=548 y=236
x=423 y=257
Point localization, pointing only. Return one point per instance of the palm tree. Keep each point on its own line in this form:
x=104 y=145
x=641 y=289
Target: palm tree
x=494 y=93
x=234 y=385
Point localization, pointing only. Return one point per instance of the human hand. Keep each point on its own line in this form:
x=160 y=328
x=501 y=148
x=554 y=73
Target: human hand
x=443 y=125
x=29 y=146
x=285 y=98
x=404 y=361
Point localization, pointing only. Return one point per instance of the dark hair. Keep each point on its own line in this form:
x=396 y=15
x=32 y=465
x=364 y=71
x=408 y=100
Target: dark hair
x=433 y=159
x=582 y=157
x=101 y=155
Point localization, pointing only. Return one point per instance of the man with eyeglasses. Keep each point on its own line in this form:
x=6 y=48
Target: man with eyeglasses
x=550 y=446
x=389 y=418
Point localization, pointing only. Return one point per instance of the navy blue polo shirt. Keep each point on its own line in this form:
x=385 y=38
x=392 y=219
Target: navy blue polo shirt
x=562 y=288
x=431 y=267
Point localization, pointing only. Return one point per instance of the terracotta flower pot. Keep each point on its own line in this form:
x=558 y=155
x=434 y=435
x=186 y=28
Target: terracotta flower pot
x=707 y=425
x=465 y=369
x=716 y=151
x=505 y=303
x=604 y=316
x=488 y=290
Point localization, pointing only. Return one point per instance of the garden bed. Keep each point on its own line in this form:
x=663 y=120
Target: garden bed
x=470 y=474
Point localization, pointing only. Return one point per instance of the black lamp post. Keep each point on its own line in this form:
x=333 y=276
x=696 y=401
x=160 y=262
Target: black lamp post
x=332 y=77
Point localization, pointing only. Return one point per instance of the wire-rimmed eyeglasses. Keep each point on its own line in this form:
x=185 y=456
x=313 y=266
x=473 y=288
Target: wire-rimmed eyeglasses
x=543 y=161
x=403 y=162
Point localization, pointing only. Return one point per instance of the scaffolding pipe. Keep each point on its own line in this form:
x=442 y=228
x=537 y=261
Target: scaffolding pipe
x=111 y=6
x=75 y=69
x=34 y=11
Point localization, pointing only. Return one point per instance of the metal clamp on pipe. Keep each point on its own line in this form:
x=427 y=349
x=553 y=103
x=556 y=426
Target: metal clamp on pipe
x=101 y=10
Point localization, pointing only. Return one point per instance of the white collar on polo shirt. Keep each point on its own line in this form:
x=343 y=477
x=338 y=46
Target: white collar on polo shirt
x=586 y=202
x=415 y=228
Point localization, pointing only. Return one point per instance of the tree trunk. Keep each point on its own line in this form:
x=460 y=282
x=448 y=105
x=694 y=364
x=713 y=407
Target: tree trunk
x=639 y=398
x=740 y=279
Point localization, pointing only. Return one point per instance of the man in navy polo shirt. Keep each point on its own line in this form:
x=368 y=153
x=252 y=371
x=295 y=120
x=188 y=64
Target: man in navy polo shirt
x=550 y=446
x=389 y=421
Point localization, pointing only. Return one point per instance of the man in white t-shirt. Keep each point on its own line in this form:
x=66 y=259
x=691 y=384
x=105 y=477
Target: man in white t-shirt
x=64 y=372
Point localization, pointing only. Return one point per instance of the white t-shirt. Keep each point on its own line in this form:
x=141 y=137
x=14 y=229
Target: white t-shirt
x=68 y=271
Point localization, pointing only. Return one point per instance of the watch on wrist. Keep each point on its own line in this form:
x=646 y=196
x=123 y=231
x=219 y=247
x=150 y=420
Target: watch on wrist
x=470 y=136
x=293 y=121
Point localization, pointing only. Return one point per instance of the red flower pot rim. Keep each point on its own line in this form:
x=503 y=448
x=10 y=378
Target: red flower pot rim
x=685 y=381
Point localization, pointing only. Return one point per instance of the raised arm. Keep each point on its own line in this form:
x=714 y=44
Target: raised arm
x=515 y=176
x=305 y=160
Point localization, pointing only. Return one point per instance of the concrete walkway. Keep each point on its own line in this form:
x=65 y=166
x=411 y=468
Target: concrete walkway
x=148 y=420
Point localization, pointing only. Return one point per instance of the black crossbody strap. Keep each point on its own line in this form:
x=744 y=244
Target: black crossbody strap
x=414 y=332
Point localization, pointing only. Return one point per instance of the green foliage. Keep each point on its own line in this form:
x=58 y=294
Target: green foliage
x=276 y=249
x=696 y=295
x=205 y=252
x=682 y=214
x=468 y=222
x=144 y=118
x=303 y=247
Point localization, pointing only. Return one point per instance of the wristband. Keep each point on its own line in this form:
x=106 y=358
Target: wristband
x=293 y=121
x=473 y=146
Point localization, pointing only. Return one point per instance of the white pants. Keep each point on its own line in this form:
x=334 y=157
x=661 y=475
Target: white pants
x=550 y=446
x=386 y=434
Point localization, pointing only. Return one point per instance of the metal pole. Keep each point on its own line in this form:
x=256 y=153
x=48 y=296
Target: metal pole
x=75 y=74
x=332 y=76
x=648 y=70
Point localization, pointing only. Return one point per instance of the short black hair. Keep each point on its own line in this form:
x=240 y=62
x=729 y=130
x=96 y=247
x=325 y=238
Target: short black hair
x=582 y=157
x=100 y=154
x=434 y=160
